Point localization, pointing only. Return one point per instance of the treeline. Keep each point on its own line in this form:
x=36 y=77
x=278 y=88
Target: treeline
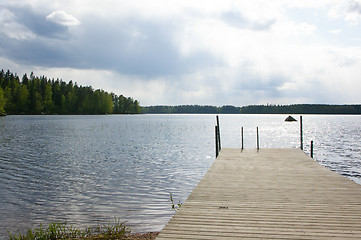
x=256 y=109
x=39 y=95
x=191 y=109
x=301 y=109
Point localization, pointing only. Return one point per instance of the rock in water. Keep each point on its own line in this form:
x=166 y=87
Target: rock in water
x=290 y=119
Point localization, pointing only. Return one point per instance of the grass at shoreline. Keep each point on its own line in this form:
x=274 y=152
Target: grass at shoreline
x=64 y=230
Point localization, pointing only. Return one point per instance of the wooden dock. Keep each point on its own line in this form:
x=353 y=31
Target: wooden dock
x=268 y=194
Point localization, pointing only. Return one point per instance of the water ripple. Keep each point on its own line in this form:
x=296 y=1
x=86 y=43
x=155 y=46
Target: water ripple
x=88 y=169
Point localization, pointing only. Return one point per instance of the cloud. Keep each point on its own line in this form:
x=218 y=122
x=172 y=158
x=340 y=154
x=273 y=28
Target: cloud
x=189 y=52
x=62 y=18
x=350 y=11
x=12 y=29
x=336 y=31
x=354 y=12
x=28 y=38
x=26 y=22
x=236 y=19
x=355 y=6
x=133 y=46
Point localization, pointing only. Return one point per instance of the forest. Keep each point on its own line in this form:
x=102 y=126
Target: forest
x=39 y=95
x=257 y=109
x=301 y=109
x=191 y=109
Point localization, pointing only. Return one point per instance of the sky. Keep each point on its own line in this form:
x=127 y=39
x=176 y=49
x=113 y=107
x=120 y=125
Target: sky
x=170 y=52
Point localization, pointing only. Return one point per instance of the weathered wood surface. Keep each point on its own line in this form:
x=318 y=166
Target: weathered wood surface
x=268 y=194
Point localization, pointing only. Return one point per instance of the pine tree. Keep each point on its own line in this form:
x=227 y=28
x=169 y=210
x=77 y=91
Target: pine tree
x=2 y=102
x=34 y=95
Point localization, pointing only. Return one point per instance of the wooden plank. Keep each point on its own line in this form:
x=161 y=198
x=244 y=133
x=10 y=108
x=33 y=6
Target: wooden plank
x=268 y=194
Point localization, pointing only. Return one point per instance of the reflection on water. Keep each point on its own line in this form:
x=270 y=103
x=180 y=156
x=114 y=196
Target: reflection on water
x=88 y=169
x=338 y=143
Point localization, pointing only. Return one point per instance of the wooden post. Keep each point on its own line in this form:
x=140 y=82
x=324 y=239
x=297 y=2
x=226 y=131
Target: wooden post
x=301 y=132
x=219 y=134
x=242 y=137
x=219 y=140
x=216 y=133
x=311 y=149
x=257 y=140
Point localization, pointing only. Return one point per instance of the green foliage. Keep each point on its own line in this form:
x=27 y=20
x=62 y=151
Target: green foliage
x=63 y=230
x=114 y=231
x=175 y=206
x=2 y=102
x=257 y=109
x=23 y=99
x=38 y=95
x=302 y=109
x=190 y=109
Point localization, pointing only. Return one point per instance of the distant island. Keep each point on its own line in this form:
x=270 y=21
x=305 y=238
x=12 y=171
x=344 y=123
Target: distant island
x=40 y=95
x=256 y=109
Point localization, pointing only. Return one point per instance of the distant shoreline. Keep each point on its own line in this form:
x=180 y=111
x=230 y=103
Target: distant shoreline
x=321 y=109
x=297 y=109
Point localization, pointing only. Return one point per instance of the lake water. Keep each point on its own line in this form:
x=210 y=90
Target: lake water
x=90 y=169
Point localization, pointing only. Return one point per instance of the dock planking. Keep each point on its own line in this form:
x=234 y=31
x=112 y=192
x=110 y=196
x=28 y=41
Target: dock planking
x=268 y=194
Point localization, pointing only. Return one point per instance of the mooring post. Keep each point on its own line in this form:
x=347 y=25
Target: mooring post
x=257 y=140
x=301 y=132
x=242 y=137
x=219 y=134
x=216 y=133
x=311 y=149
